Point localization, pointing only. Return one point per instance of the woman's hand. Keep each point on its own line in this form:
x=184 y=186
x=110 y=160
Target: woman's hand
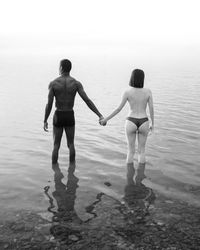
x=151 y=129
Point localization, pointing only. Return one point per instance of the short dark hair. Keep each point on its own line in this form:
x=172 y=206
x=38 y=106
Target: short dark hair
x=65 y=66
x=137 y=78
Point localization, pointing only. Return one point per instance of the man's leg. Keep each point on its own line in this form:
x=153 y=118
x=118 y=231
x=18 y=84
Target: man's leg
x=57 y=135
x=70 y=131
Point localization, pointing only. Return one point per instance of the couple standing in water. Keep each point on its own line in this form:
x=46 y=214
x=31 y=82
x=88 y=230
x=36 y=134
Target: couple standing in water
x=64 y=90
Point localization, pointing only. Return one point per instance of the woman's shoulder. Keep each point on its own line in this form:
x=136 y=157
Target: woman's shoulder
x=127 y=91
x=131 y=90
x=147 y=90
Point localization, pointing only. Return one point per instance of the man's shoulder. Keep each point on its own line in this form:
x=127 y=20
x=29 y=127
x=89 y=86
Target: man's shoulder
x=75 y=82
x=79 y=84
x=54 y=82
x=51 y=84
x=60 y=79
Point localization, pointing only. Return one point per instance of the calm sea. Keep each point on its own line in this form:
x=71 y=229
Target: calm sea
x=173 y=159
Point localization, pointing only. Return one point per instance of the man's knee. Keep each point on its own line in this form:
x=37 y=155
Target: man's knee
x=56 y=146
x=70 y=145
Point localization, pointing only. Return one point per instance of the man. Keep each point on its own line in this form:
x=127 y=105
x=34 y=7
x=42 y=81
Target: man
x=64 y=89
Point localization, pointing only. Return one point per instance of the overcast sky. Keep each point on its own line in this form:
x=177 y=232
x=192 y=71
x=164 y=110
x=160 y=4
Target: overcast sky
x=167 y=25
x=154 y=20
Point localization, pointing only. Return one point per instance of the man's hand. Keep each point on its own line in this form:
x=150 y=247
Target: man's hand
x=46 y=127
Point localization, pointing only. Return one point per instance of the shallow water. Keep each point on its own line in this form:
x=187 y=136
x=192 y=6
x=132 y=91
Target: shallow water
x=25 y=165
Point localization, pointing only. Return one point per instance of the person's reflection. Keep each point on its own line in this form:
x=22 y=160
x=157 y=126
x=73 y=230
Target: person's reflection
x=136 y=193
x=65 y=195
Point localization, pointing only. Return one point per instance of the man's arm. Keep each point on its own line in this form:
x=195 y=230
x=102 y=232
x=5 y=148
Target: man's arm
x=151 y=109
x=87 y=100
x=48 y=106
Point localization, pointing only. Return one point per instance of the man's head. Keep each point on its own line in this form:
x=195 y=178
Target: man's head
x=65 y=66
x=137 y=78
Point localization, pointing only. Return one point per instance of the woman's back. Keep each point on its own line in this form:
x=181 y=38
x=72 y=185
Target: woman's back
x=137 y=123
x=138 y=99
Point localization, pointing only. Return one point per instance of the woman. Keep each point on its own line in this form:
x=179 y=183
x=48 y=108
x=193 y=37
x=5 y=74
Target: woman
x=137 y=122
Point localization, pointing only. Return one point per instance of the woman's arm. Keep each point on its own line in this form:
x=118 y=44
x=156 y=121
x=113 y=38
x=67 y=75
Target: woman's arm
x=151 y=109
x=117 y=110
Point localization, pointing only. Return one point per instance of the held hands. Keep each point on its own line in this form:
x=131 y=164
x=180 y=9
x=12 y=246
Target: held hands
x=102 y=121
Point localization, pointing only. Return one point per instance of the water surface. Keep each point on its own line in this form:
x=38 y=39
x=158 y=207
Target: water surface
x=25 y=165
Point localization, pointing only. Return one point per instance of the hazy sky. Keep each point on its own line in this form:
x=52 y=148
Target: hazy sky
x=154 y=20
x=167 y=25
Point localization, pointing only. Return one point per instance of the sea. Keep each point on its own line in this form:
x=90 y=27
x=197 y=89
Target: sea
x=172 y=151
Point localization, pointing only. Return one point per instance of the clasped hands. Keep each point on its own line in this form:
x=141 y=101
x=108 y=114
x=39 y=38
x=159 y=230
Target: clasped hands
x=102 y=121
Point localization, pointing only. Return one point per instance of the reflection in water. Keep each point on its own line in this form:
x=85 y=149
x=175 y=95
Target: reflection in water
x=136 y=193
x=65 y=195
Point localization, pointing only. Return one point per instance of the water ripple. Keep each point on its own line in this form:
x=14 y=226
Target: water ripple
x=101 y=151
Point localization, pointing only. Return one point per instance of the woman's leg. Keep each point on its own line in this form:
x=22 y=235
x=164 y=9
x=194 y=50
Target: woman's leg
x=142 y=138
x=130 y=129
x=130 y=173
x=140 y=173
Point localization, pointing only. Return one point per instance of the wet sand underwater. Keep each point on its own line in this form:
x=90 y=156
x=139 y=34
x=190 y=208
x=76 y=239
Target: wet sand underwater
x=141 y=218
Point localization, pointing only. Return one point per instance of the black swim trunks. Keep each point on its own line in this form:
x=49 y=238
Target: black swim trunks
x=63 y=118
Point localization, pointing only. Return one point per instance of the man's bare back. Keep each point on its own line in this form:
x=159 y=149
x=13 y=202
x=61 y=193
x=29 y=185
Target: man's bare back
x=65 y=89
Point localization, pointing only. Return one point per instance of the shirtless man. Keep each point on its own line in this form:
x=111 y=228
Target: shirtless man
x=137 y=123
x=64 y=89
